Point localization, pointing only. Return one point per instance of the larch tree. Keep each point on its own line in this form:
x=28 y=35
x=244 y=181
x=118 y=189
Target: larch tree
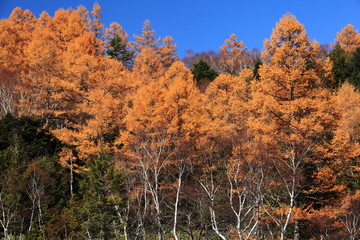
x=226 y=99
x=168 y=52
x=336 y=178
x=233 y=55
x=185 y=116
x=115 y=29
x=146 y=39
x=16 y=33
x=147 y=68
x=99 y=110
x=24 y=22
x=97 y=27
x=159 y=123
x=344 y=148
x=348 y=39
x=10 y=65
x=44 y=86
x=290 y=112
x=151 y=55
x=226 y=102
x=37 y=85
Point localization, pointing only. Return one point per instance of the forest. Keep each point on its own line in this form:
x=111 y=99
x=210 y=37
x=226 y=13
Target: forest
x=106 y=138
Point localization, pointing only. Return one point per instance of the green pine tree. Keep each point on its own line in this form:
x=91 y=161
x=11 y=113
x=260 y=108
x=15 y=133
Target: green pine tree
x=202 y=70
x=257 y=63
x=341 y=65
x=118 y=50
x=355 y=66
x=101 y=193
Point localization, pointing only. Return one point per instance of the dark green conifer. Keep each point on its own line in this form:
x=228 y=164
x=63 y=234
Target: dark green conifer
x=119 y=51
x=202 y=70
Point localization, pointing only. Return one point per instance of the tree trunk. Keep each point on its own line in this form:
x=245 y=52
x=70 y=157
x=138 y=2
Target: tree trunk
x=181 y=171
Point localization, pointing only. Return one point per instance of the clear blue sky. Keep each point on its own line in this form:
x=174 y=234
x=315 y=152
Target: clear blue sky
x=205 y=24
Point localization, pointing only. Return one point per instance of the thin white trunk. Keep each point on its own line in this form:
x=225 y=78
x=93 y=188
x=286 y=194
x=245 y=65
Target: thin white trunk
x=210 y=191
x=181 y=171
x=71 y=176
x=40 y=214
x=33 y=198
x=7 y=214
x=31 y=218
x=123 y=220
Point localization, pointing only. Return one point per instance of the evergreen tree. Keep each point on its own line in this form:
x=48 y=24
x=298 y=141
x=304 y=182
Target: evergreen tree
x=355 y=67
x=341 y=65
x=202 y=70
x=101 y=195
x=32 y=186
x=257 y=63
x=118 y=50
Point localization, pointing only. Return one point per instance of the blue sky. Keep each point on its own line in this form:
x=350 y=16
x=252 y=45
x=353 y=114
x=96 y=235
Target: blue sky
x=205 y=24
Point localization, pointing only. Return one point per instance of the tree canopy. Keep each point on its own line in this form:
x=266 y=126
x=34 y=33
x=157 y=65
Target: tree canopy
x=102 y=137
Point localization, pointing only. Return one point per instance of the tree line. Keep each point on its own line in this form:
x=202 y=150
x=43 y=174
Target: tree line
x=106 y=138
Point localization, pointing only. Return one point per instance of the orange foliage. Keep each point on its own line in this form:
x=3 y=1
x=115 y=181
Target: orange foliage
x=287 y=99
x=233 y=55
x=260 y=133
x=348 y=39
x=227 y=97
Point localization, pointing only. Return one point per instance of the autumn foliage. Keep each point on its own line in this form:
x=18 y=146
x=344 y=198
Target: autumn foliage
x=267 y=149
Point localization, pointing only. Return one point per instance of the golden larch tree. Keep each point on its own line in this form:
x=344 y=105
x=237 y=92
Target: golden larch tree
x=233 y=55
x=97 y=27
x=348 y=39
x=146 y=39
x=159 y=126
x=115 y=29
x=168 y=52
x=340 y=172
x=290 y=110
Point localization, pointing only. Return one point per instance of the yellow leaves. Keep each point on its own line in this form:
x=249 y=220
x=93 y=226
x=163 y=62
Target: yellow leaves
x=164 y=114
x=24 y=21
x=146 y=39
x=69 y=79
x=287 y=102
x=148 y=66
x=67 y=25
x=339 y=214
x=348 y=39
x=233 y=55
x=168 y=52
x=67 y=159
x=11 y=49
x=344 y=147
x=96 y=10
x=65 y=156
x=152 y=59
x=42 y=50
x=325 y=179
x=226 y=100
x=288 y=37
x=348 y=106
x=345 y=144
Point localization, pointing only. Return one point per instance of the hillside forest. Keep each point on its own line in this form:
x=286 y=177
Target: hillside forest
x=106 y=138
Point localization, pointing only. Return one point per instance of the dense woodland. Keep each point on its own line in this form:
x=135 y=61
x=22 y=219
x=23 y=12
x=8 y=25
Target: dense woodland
x=106 y=138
